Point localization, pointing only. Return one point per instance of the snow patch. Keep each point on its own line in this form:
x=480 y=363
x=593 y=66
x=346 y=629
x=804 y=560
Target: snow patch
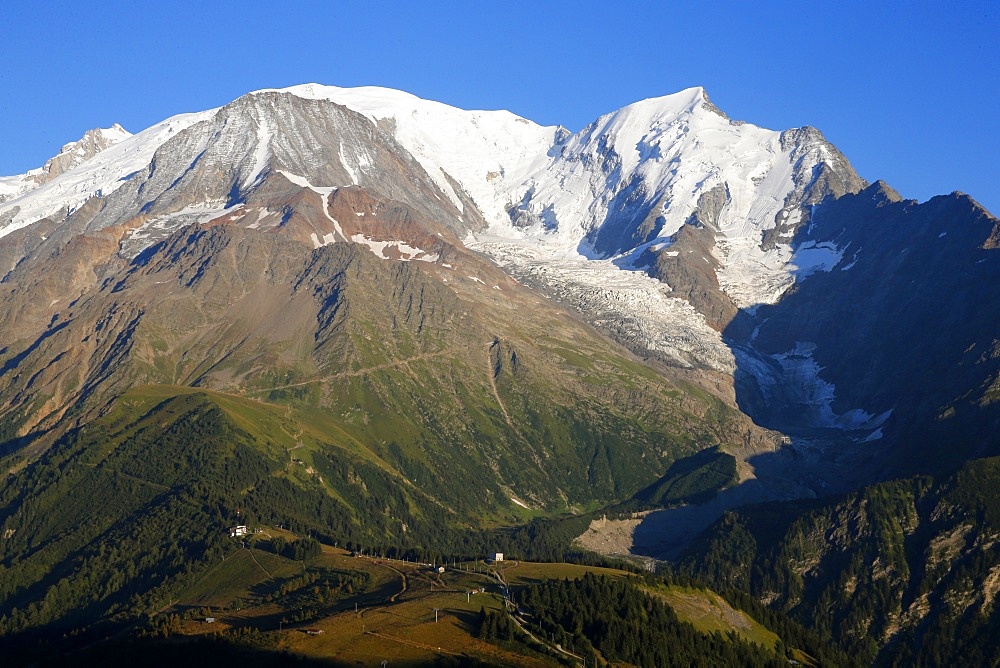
x=260 y=215
x=874 y=436
x=261 y=152
x=302 y=182
x=406 y=252
x=325 y=241
x=324 y=193
x=811 y=257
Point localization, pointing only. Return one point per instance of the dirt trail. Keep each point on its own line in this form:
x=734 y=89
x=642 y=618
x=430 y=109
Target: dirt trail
x=411 y=643
x=259 y=565
x=405 y=583
x=540 y=641
x=358 y=372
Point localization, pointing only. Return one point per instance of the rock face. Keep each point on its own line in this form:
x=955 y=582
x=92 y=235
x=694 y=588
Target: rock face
x=902 y=571
x=906 y=329
x=216 y=164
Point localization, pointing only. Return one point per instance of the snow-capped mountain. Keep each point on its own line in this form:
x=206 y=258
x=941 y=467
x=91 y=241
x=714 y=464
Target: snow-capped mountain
x=620 y=190
x=645 y=166
x=665 y=223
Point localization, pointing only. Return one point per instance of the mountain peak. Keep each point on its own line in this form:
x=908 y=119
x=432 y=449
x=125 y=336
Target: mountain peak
x=71 y=155
x=663 y=107
x=77 y=152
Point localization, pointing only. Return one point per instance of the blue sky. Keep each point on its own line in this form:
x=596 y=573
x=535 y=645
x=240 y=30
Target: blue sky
x=910 y=92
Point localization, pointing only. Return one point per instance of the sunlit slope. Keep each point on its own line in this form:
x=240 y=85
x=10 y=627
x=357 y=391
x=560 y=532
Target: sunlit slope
x=443 y=373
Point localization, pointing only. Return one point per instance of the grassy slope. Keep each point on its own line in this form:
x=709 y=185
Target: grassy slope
x=162 y=476
x=710 y=613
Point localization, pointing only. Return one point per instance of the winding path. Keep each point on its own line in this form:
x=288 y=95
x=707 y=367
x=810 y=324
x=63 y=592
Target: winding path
x=356 y=372
x=402 y=577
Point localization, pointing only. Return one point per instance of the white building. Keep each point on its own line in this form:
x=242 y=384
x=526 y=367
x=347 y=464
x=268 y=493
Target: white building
x=496 y=556
x=240 y=530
